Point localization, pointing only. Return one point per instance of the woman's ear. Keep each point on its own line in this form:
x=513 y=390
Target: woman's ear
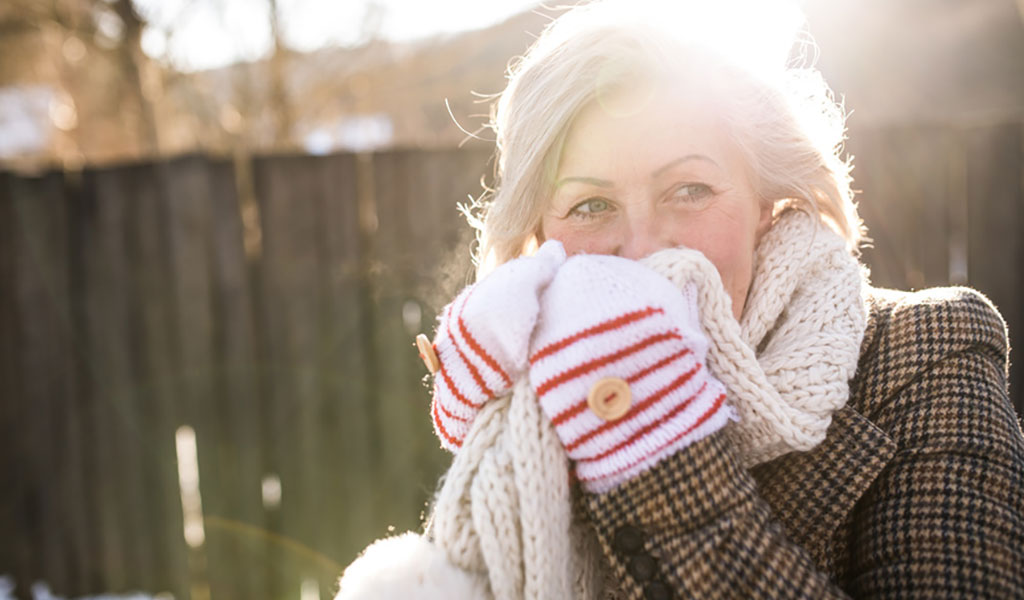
x=766 y=217
x=530 y=244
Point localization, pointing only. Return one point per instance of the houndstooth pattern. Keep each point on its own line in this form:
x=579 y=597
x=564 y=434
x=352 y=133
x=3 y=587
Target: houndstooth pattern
x=917 y=490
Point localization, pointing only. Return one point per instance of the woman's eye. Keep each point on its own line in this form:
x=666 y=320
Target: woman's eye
x=692 y=192
x=590 y=207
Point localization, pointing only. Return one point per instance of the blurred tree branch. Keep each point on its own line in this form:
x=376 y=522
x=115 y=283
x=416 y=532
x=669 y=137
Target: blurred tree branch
x=137 y=69
x=89 y=53
x=284 y=123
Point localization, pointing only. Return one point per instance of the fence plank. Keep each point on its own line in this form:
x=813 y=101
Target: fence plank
x=155 y=351
x=396 y=370
x=144 y=495
x=995 y=160
x=107 y=380
x=417 y=252
x=80 y=207
x=10 y=502
x=346 y=506
x=190 y=234
x=904 y=203
x=71 y=422
x=443 y=265
x=46 y=370
x=15 y=515
x=287 y=188
x=237 y=398
x=33 y=327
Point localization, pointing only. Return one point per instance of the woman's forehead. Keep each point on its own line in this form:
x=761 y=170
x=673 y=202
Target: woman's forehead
x=635 y=127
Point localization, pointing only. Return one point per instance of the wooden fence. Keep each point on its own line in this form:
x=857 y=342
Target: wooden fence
x=140 y=299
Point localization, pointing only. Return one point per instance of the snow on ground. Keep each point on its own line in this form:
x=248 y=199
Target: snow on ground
x=41 y=591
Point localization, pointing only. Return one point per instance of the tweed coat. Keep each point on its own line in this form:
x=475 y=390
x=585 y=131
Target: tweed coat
x=916 y=492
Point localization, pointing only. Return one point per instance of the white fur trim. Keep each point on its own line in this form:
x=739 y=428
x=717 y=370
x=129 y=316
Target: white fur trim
x=408 y=567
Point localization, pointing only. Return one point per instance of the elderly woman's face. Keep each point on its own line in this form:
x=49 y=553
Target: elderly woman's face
x=637 y=176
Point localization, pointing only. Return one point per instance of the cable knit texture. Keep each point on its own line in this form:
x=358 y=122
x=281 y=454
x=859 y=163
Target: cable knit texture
x=504 y=510
x=787 y=366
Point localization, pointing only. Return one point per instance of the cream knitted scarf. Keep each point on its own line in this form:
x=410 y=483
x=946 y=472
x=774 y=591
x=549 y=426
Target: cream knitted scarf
x=788 y=363
x=503 y=513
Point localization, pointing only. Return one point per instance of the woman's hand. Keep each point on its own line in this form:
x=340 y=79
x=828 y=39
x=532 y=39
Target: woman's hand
x=616 y=358
x=483 y=339
x=618 y=365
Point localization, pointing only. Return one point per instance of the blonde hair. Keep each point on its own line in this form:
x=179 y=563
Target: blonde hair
x=786 y=124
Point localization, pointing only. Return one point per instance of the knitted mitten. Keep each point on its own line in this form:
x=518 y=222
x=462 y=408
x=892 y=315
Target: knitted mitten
x=618 y=365
x=483 y=338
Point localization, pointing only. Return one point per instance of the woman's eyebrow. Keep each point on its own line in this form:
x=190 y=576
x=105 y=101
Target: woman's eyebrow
x=660 y=170
x=588 y=180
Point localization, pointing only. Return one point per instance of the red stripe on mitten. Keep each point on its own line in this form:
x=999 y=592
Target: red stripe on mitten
x=483 y=339
x=608 y=317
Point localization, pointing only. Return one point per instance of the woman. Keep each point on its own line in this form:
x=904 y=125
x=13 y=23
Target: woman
x=788 y=431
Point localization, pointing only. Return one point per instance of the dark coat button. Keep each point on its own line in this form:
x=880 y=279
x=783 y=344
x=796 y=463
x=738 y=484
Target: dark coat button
x=628 y=540
x=642 y=567
x=657 y=590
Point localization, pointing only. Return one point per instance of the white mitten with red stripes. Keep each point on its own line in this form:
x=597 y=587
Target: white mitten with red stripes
x=483 y=339
x=618 y=364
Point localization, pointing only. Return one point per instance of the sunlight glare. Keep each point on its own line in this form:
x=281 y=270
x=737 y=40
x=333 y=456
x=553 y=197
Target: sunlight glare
x=755 y=34
x=207 y=34
x=188 y=482
x=270 y=489
x=310 y=590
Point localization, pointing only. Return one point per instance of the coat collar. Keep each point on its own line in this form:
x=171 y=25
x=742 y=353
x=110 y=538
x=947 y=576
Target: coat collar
x=813 y=492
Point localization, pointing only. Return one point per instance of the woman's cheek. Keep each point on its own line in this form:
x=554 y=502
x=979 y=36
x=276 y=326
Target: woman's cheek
x=576 y=239
x=574 y=244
